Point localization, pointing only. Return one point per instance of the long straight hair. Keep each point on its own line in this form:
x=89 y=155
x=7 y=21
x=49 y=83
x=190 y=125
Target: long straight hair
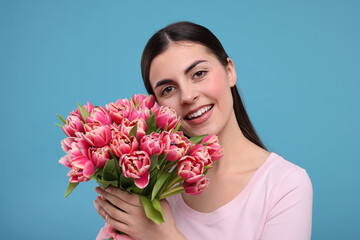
x=187 y=31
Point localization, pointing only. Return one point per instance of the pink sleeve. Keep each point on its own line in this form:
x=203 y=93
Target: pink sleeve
x=290 y=209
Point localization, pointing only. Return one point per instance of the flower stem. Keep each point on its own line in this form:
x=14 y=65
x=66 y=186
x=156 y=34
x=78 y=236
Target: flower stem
x=173 y=182
x=172 y=191
x=169 y=166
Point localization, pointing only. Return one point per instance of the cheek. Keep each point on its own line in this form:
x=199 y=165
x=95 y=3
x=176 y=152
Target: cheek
x=218 y=85
x=170 y=103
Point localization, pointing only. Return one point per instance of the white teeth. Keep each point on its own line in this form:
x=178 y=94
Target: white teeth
x=199 y=112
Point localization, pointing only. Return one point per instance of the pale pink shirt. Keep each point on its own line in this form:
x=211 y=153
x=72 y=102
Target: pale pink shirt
x=276 y=204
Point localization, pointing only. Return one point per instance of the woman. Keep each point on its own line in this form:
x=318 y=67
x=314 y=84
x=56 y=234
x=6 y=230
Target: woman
x=253 y=194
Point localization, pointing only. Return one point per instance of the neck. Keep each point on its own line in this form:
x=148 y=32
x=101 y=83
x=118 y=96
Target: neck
x=234 y=144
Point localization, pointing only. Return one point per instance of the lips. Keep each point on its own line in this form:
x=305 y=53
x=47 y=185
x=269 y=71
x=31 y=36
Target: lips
x=197 y=113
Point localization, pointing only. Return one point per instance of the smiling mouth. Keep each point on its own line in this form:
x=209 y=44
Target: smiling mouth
x=199 y=113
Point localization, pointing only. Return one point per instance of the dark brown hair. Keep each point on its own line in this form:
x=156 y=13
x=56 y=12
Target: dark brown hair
x=187 y=31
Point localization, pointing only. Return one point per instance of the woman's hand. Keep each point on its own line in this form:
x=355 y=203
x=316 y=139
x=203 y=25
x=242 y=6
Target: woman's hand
x=131 y=219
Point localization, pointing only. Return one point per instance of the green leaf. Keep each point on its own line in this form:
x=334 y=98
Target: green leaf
x=70 y=188
x=135 y=189
x=154 y=161
x=83 y=112
x=177 y=127
x=197 y=139
x=112 y=154
x=161 y=160
x=118 y=168
x=97 y=174
x=151 y=124
x=98 y=177
x=133 y=131
x=105 y=184
x=156 y=204
x=158 y=130
x=173 y=179
x=159 y=184
x=126 y=182
x=58 y=125
x=132 y=103
x=153 y=178
x=151 y=212
x=62 y=120
x=109 y=171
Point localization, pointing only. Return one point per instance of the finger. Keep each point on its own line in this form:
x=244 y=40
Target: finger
x=120 y=226
x=128 y=198
x=117 y=202
x=99 y=208
x=112 y=211
x=132 y=199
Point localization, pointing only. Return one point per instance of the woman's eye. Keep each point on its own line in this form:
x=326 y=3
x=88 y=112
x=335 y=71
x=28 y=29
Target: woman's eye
x=199 y=74
x=167 y=90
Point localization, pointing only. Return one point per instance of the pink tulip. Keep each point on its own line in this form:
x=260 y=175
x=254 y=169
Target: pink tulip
x=66 y=143
x=72 y=126
x=89 y=107
x=179 y=146
x=139 y=112
x=81 y=171
x=126 y=127
x=136 y=166
x=97 y=135
x=100 y=115
x=79 y=150
x=121 y=144
x=191 y=169
x=119 y=110
x=115 y=129
x=202 y=153
x=81 y=167
x=165 y=140
x=143 y=101
x=125 y=101
x=65 y=161
x=99 y=156
x=152 y=144
x=166 y=117
x=196 y=187
x=213 y=146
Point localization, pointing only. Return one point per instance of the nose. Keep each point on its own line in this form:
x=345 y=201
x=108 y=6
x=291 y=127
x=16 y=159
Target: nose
x=189 y=94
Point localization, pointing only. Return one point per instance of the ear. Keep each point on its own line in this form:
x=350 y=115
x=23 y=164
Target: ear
x=230 y=68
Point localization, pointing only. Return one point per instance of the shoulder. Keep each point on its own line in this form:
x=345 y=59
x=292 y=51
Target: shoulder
x=289 y=200
x=287 y=181
x=279 y=170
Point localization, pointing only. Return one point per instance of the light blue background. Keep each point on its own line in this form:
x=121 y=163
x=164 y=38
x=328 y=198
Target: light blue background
x=298 y=70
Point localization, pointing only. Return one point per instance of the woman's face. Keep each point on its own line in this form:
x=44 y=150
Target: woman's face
x=191 y=80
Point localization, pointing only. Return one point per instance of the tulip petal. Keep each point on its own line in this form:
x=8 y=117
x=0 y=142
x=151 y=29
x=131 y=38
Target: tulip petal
x=143 y=181
x=89 y=169
x=65 y=161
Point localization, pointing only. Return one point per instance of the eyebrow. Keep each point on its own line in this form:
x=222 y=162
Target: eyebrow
x=162 y=82
x=193 y=65
x=187 y=70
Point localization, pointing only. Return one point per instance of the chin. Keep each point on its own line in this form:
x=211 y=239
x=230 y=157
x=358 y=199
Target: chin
x=198 y=132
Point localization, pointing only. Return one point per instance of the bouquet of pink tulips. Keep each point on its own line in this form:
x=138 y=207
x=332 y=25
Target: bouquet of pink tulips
x=135 y=145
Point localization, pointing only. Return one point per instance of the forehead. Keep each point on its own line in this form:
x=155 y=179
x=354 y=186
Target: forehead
x=177 y=57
